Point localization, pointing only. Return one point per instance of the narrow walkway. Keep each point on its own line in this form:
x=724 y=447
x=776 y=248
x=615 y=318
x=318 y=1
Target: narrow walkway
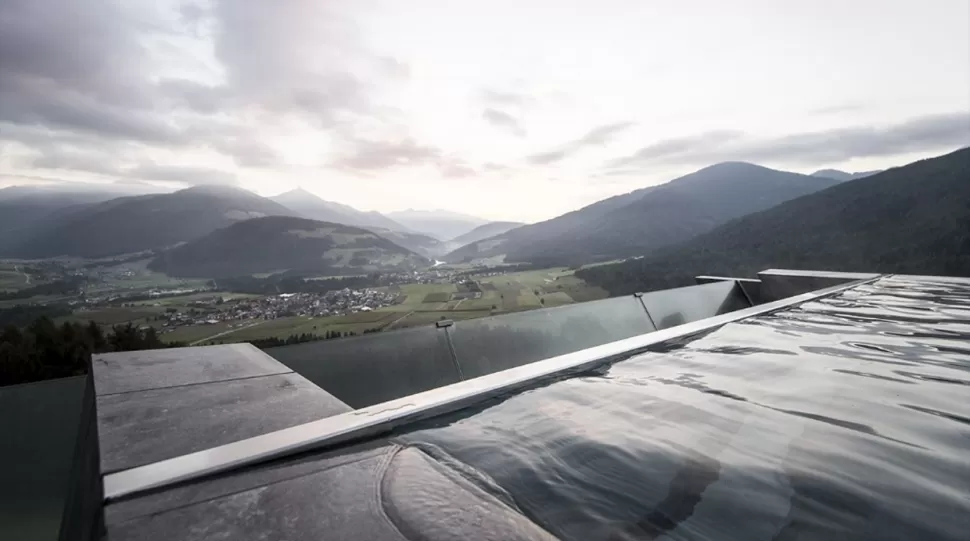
x=223 y=333
x=396 y=321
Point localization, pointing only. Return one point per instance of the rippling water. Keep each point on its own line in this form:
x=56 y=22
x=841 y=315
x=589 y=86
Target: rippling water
x=844 y=418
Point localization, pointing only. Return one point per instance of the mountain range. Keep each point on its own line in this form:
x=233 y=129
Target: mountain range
x=426 y=234
x=440 y=224
x=96 y=221
x=723 y=218
x=24 y=207
x=285 y=243
x=138 y=223
x=311 y=206
x=911 y=219
x=649 y=218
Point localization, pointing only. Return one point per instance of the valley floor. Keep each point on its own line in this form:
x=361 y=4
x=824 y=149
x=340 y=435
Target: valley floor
x=201 y=316
x=416 y=305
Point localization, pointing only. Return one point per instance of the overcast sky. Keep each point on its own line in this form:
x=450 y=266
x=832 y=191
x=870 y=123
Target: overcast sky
x=517 y=110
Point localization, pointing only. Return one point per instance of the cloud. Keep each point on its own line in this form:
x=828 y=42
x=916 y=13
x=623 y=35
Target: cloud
x=76 y=45
x=597 y=136
x=836 y=109
x=78 y=73
x=198 y=97
x=179 y=173
x=394 y=67
x=915 y=135
x=299 y=56
x=621 y=172
x=246 y=150
x=375 y=155
x=500 y=98
x=77 y=161
x=371 y=156
x=105 y=159
x=191 y=14
x=671 y=149
x=602 y=134
x=493 y=167
x=921 y=134
x=454 y=168
x=503 y=120
x=545 y=158
x=40 y=103
x=33 y=179
x=74 y=66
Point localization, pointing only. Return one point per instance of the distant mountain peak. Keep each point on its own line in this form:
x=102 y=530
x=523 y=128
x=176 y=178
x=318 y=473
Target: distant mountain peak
x=310 y=205
x=827 y=172
x=726 y=166
x=296 y=195
x=843 y=176
x=726 y=170
x=217 y=189
x=299 y=191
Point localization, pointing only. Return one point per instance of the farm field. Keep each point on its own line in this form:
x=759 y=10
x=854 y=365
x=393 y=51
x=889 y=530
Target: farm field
x=193 y=334
x=12 y=277
x=136 y=275
x=142 y=312
x=116 y=315
x=281 y=328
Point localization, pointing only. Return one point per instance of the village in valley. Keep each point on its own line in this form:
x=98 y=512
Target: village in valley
x=197 y=312
x=213 y=310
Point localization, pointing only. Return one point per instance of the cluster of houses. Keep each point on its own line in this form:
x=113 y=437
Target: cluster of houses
x=331 y=303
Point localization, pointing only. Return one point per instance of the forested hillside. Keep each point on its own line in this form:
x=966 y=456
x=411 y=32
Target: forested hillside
x=279 y=243
x=911 y=219
x=485 y=231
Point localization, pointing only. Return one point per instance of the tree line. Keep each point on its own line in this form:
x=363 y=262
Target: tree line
x=66 y=286
x=44 y=350
x=273 y=342
x=22 y=315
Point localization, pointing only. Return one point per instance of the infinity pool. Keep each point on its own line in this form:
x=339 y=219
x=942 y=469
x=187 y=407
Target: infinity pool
x=843 y=418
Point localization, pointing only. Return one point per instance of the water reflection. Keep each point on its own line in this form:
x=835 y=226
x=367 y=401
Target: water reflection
x=844 y=418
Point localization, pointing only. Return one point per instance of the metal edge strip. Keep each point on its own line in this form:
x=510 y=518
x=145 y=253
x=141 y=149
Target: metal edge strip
x=451 y=351
x=381 y=418
x=639 y=298
x=737 y=284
